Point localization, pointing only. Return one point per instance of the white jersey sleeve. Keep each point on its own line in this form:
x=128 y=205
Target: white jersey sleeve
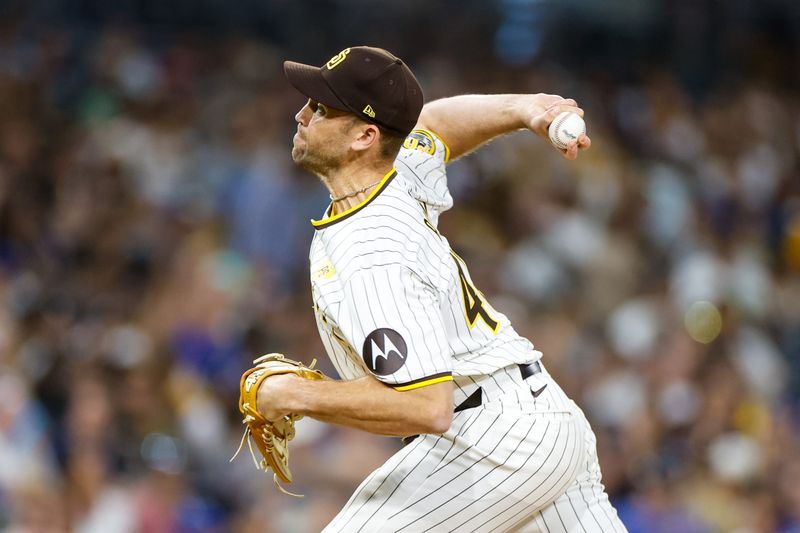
x=396 y=327
x=422 y=161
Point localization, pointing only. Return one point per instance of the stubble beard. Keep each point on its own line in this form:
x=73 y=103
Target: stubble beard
x=317 y=162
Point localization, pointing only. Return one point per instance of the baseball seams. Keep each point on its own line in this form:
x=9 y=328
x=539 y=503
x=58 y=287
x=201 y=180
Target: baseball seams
x=556 y=126
x=392 y=300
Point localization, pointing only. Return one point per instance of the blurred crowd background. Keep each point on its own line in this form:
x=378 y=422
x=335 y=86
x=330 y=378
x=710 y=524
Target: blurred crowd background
x=154 y=237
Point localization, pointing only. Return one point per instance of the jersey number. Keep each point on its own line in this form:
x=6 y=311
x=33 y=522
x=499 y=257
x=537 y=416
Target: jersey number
x=474 y=303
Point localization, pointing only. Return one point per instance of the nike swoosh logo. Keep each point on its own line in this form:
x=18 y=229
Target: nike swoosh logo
x=538 y=392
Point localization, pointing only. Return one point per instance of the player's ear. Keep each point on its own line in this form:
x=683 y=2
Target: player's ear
x=365 y=136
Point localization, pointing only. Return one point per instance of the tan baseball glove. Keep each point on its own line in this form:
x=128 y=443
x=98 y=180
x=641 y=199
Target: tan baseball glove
x=271 y=437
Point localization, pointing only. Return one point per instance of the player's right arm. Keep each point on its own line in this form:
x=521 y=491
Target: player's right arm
x=466 y=122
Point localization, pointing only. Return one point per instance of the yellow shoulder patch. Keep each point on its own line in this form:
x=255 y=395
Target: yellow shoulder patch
x=420 y=140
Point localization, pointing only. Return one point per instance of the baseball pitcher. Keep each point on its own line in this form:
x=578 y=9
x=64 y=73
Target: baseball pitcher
x=492 y=442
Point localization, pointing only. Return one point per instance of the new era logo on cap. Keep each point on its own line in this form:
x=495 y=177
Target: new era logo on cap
x=361 y=80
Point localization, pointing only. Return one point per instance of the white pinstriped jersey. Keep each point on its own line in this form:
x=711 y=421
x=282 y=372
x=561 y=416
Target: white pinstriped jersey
x=393 y=300
x=391 y=297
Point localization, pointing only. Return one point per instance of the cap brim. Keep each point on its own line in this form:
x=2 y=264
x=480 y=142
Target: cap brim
x=309 y=81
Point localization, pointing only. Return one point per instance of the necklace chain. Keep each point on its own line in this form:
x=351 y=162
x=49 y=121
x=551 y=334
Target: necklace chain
x=354 y=192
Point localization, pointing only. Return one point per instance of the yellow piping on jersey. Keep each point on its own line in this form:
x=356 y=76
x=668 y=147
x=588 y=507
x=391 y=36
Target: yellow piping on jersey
x=424 y=383
x=446 y=148
x=344 y=214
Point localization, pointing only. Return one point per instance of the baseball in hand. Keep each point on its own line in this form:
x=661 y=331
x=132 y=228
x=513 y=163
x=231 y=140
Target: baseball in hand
x=565 y=128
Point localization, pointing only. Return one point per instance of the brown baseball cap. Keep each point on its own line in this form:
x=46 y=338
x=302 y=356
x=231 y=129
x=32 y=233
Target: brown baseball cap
x=369 y=82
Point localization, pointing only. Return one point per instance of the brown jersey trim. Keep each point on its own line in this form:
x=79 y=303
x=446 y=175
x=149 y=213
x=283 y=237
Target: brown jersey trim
x=330 y=220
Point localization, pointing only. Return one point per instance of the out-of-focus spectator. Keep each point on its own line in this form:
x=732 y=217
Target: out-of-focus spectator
x=154 y=232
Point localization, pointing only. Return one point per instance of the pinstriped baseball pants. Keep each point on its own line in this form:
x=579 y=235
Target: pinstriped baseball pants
x=515 y=463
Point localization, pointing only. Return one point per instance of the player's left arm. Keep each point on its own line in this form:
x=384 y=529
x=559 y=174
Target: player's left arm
x=466 y=122
x=394 y=322
x=365 y=403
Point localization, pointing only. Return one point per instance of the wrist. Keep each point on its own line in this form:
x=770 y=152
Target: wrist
x=526 y=107
x=276 y=395
x=295 y=394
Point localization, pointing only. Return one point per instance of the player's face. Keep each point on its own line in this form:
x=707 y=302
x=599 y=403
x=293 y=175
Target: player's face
x=321 y=142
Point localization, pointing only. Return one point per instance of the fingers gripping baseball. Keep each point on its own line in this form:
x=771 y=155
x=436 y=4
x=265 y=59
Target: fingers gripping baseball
x=549 y=108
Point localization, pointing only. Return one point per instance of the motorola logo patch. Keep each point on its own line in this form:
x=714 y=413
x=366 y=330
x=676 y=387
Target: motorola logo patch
x=384 y=351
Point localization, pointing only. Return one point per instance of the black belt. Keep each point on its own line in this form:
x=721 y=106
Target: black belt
x=476 y=398
x=530 y=369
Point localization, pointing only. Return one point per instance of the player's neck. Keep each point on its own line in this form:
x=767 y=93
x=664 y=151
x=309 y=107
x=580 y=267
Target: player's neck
x=350 y=186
